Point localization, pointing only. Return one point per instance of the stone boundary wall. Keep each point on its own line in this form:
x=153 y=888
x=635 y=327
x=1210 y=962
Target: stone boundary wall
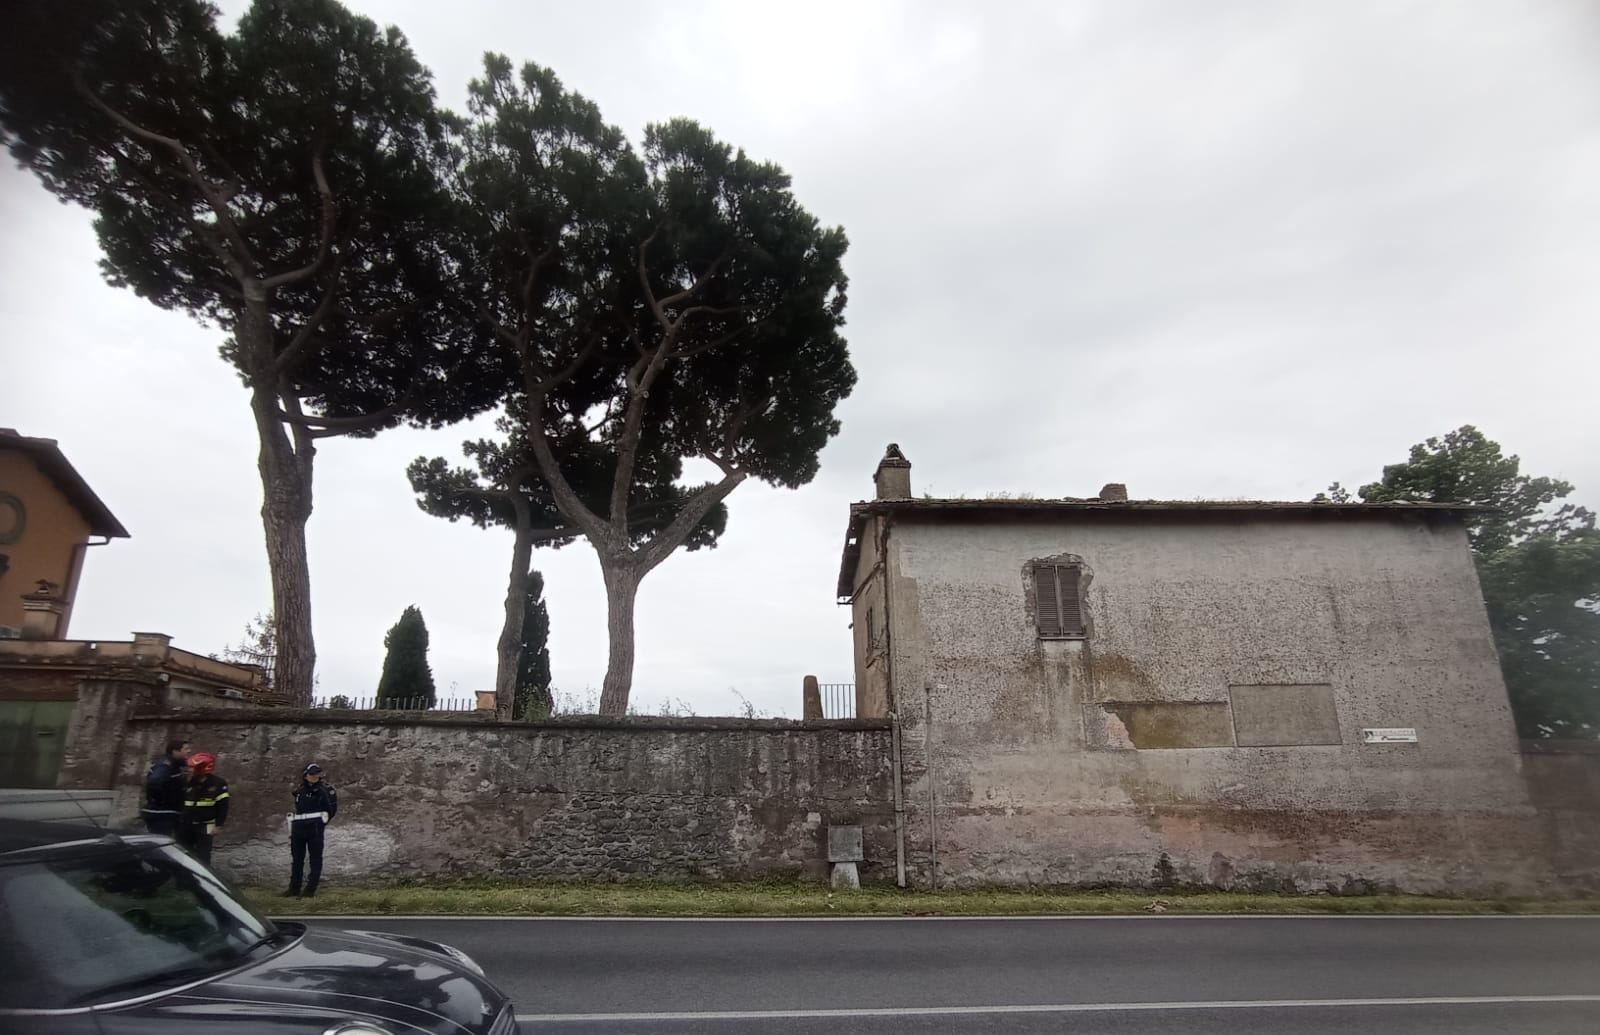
x=575 y=799
x=617 y=799
x=1563 y=779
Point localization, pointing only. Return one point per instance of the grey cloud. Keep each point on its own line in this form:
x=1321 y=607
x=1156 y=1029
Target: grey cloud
x=1221 y=249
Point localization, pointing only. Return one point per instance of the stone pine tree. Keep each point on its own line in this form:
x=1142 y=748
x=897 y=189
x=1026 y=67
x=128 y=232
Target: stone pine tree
x=534 y=699
x=407 y=681
x=504 y=488
x=280 y=183
x=659 y=306
x=1539 y=566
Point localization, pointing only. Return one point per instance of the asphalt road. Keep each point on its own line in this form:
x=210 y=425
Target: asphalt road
x=1239 y=975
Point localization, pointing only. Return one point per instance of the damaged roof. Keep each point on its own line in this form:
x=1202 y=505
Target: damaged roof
x=1036 y=508
x=47 y=456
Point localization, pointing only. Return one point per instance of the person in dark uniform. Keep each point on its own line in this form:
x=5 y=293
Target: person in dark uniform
x=163 y=789
x=315 y=803
x=205 y=806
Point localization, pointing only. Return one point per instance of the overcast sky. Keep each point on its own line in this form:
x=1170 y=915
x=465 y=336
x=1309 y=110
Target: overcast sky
x=1208 y=249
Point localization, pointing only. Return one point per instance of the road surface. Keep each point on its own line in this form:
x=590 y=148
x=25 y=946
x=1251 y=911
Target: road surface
x=1239 y=975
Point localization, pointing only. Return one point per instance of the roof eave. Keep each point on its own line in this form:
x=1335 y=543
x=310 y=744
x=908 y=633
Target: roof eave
x=859 y=512
x=54 y=465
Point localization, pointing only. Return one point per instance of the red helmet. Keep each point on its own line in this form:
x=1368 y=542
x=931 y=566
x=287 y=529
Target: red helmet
x=202 y=763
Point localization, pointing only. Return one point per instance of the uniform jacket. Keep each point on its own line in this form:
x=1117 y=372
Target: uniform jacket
x=313 y=803
x=206 y=800
x=164 y=786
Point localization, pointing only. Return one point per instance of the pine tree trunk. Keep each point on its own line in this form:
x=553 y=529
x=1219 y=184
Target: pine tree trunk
x=622 y=589
x=509 y=649
x=285 y=467
x=294 y=671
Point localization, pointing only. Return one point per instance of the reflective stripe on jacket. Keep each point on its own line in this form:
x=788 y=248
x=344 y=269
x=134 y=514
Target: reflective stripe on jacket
x=206 y=801
x=313 y=802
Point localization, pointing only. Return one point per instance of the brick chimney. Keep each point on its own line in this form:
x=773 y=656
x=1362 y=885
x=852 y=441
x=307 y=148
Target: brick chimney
x=893 y=477
x=1114 y=492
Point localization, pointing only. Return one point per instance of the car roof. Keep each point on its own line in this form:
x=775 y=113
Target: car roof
x=27 y=838
x=17 y=834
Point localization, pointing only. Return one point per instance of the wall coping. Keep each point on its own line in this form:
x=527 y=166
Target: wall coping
x=640 y=723
x=1560 y=747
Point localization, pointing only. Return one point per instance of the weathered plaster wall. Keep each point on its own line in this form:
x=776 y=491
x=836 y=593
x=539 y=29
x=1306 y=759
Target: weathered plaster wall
x=869 y=618
x=576 y=799
x=1034 y=765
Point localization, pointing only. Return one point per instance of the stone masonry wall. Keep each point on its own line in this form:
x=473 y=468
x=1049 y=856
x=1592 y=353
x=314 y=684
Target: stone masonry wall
x=574 y=799
x=1563 y=778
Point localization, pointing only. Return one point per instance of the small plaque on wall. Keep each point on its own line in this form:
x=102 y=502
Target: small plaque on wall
x=1390 y=735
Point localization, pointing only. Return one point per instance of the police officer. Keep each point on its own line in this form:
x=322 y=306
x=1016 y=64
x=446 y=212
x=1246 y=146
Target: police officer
x=205 y=805
x=315 y=803
x=163 y=789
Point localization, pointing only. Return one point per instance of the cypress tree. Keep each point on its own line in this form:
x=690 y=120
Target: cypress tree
x=407 y=681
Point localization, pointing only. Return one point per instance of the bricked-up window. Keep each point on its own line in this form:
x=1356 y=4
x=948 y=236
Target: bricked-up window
x=1057 y=601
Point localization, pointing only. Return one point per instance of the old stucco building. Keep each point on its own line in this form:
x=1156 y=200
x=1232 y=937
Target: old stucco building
x=49 y=517
x=1105 y=690
x=63 y=702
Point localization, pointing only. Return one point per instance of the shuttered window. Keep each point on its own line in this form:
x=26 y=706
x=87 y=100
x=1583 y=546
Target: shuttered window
x=1058 y=605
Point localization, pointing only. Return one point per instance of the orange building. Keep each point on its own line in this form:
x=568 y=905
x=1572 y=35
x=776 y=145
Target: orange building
x=49 y=517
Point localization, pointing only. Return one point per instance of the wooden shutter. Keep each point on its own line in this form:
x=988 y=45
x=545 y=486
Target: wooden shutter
x=1047 y=605
x=1058 y=606
x=1071 y=601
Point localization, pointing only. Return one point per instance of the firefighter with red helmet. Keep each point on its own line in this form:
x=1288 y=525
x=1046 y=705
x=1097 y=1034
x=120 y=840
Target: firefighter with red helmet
x=205 y=805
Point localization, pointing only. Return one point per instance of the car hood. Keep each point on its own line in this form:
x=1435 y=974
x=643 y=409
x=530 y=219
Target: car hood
x=407 y=984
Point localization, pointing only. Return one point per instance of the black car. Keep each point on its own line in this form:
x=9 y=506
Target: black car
x=124 y=935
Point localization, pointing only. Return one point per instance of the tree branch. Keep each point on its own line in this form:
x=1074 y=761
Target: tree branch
x=154 y=192
x=290 y=404
x=529 y=282
x=730 y=441
x=501 y=331
x=610 y=415
x=214 y=200
x=658 y=306
x=566 y=374
x=633 y=427
x=700 y=281
x=713 y=343
x=661 y=545
x=302 y=338
x=572 y=508
x=324 y=238
x=327 y=427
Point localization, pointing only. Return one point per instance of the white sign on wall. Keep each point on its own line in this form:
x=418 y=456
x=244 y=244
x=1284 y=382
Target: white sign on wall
x=1390 y=735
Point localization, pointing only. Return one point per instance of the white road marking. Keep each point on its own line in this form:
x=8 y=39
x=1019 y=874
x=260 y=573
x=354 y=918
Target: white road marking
x=868 y=919
x=950 y=1011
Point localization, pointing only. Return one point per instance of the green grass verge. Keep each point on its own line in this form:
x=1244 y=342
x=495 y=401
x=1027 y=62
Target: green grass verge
x=797 y=899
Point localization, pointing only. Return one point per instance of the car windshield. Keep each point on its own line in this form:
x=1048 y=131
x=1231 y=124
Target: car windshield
x=88 y=928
